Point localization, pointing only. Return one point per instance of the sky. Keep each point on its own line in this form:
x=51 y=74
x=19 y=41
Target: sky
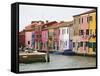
x=28 y=13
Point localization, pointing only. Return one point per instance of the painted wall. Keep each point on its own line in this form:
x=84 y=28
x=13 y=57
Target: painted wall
x=75 y=33
x=44 y=36
x=21 y=39
x=44 y=39
x=56 y=38
x=64 y=38
x=28 y=39
x=92 y=29
x=84 y=25
x=51 y=39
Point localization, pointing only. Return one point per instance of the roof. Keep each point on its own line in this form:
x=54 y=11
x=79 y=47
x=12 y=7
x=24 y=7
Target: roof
x=55 y=25
x=50 y=25
x=91 y=11
x=22 y=32
x=29 y=27
x=66 y=24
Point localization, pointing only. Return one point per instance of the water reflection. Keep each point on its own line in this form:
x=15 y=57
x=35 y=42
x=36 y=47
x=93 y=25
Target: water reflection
x=60 y=62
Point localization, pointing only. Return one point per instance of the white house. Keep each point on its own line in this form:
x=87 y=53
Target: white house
x=64 y=38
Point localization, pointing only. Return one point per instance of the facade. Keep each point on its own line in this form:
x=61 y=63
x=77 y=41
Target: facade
x=78 y=35
x=75 y=33
x=70 y=25
x=92 y=32
x=51 y=45
x=22 y=38
x=65 y=44
x=85 y=23
x=56 y=37
x=29 y=36
x=44 y=37
x=28 y=39
x=64 y=38
x=37 y=34
x=84 y=34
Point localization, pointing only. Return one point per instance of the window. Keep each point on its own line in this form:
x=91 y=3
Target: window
x=86 y=44
x=81 y=43
x=81 y=32
x=66 y=43
x=63 y=31
x=94 y=44
x=94 y=47
x=28 y=42
x=79 y=20
x=82 y=20
x=39 y=36
x=73 y=44
x=67 y=31
x=90 y=18
x=87 y=32
x=87 y=19
x=78 y=44
x=90 y=31
x=90 y=44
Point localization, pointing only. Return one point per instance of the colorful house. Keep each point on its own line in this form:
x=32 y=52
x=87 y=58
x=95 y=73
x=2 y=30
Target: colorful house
x=38 y=33
x=92 y=32
x=65 y=44
x=84 y=34
x=22 y=38
x=75 y=33
x=44 y=37
x=54 y=35
x=51 y=44
x=86 y=24
x=29 y=36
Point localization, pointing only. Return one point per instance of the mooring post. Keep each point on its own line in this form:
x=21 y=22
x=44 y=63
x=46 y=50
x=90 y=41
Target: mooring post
x=48 y=56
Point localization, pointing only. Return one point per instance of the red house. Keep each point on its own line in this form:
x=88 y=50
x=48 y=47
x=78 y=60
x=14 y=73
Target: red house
x=22 y=38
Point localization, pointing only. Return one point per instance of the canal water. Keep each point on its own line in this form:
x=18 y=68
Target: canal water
x=60 y=62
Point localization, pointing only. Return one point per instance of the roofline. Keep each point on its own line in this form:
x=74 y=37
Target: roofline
x=91 y=11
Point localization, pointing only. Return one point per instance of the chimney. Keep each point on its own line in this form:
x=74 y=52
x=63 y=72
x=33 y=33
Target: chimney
x=47 y=21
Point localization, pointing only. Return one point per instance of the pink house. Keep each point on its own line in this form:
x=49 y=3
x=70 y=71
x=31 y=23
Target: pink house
x=84 y=32
x=29 y=40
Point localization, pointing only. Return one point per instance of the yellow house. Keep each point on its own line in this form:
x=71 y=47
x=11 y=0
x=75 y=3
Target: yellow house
x=92 y=32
